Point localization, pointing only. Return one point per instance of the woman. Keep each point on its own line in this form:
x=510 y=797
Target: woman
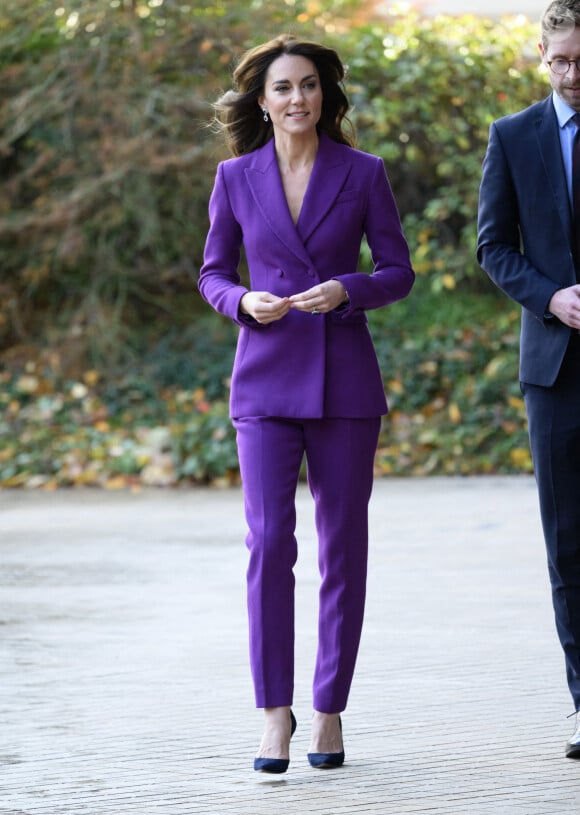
x=306 y=381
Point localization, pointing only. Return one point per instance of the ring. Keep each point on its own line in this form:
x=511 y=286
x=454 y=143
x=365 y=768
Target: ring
x=315 y=311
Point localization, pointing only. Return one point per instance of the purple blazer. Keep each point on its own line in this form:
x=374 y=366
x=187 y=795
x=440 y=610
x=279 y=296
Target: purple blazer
x=305 y=366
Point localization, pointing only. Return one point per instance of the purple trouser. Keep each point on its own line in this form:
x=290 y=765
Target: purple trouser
x=340 y=455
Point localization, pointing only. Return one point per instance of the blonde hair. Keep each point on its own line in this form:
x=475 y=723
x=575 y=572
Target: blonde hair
x=561 y=16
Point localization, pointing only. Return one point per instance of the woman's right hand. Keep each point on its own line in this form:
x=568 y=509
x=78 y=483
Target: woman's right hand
x=264 y=307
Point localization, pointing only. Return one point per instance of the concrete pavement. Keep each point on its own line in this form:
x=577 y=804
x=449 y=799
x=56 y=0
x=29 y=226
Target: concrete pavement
x=124 y=683
x=532 y=9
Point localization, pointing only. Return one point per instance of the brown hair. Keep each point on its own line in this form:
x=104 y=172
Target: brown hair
x=238 y=114
x=560 y=16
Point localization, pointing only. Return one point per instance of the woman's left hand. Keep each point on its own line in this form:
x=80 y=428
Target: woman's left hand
x=321 y=298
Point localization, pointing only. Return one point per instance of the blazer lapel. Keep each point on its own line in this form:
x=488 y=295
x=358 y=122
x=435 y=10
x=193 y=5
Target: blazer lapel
x=328 y=177
x=551 y=153
x=266 y=187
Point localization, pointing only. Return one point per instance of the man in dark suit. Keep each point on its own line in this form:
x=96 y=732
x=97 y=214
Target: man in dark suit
x=529 y=244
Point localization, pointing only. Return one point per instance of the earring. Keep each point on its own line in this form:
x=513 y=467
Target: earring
x=265 y=112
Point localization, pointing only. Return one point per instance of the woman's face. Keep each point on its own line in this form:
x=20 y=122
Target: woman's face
x=292 y=95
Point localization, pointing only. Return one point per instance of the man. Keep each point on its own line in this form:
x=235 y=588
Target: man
x=529 y=244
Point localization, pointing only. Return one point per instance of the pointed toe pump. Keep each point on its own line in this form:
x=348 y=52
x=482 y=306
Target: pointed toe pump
x=327 y=761
x=275 y=765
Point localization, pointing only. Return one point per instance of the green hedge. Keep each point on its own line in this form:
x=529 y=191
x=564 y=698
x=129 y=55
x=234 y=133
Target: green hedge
x=113 y=370
x=425 y=91
x=106 y=159
x=451 y=384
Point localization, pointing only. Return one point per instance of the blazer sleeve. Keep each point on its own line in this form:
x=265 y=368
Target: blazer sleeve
x=499 y=250
x=219 y=280
x=393 y=276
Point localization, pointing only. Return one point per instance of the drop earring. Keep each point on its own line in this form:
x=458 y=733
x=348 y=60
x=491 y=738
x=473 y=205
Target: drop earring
x=265 y=112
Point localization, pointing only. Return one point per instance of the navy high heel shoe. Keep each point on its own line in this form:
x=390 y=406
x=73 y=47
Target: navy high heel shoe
x=327 y=761
x=275 y=765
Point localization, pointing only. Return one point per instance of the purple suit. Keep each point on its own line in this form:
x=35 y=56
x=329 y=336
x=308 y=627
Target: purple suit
x=329 y=364
x=305 y=384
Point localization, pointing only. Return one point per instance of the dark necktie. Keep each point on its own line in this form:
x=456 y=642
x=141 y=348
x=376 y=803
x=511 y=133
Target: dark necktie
x=576 y=191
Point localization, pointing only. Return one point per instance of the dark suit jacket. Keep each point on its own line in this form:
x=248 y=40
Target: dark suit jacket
x=525 y=231
x=304 y=365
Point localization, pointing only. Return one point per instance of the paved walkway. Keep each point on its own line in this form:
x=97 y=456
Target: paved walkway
x=533 y=9
x=124 y=685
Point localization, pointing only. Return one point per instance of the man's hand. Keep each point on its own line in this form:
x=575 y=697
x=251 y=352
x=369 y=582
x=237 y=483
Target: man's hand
x=565 y=305
x=264 y=307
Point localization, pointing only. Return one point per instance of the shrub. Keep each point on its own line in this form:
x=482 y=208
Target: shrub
x=106 y=160
x=425 y=91
x=106 y=165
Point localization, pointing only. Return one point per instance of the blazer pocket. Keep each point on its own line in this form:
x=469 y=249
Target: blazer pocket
x=542 y=207
x=346 y=196
x=355 y=317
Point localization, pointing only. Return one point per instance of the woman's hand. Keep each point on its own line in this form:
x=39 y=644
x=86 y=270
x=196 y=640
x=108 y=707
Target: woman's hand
x=321 y=298
x=264 y=307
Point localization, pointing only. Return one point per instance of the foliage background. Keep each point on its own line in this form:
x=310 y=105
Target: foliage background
x=113 y=371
